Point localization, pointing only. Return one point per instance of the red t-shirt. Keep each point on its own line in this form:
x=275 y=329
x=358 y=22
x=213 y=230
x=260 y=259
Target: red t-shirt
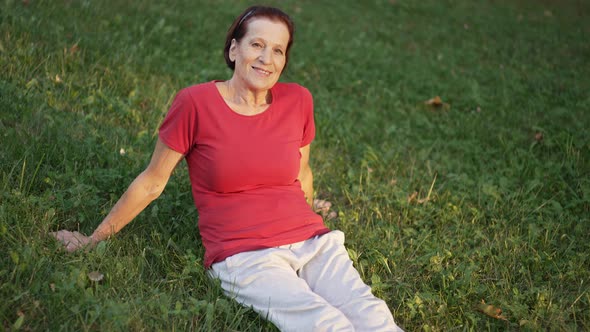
x=243 y=169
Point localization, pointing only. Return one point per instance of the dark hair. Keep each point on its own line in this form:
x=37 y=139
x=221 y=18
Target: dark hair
x=240 y=25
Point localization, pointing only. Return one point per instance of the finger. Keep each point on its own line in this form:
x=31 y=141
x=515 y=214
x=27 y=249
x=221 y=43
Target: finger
x=323 y=204
x=77 y=236
x=70 y=247
x=58 y=237
x=61 y=235
x=317 y=203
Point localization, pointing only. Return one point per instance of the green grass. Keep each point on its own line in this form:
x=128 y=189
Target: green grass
x=507 y=215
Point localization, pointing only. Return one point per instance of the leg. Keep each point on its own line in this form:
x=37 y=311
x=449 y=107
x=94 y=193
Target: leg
x=330 y=274
x=266 y=281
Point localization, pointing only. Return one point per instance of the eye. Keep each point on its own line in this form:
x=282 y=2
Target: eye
x=257 y=45
x=279 y=51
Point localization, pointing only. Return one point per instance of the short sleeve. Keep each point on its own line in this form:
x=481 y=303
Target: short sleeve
x=308 y=121
x=179 y=129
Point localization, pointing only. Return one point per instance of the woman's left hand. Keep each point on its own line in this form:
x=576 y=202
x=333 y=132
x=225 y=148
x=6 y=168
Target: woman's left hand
x=322 y=207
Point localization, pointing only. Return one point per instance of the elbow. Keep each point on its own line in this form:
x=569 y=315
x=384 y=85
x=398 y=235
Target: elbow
x=155 y=189
x=151 y=186
x=153 y=193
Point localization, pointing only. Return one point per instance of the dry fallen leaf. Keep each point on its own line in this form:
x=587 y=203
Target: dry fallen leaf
x=423 y=200
x=412 y=197
x=95 y=276
x=52 y=287
x=539 y=136
x=490 y=310
x=74 y=48
x=436 y=101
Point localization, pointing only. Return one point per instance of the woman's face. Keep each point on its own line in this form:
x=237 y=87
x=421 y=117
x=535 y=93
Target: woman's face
x=260 y=55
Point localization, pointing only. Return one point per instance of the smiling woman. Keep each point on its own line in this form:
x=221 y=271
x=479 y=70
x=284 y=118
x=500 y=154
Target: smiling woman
x=258 y=60
x=247 y=145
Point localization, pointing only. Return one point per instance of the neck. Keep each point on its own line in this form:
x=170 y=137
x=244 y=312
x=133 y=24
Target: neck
x=241 y=95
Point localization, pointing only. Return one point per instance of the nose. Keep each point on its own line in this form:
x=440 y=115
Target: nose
x=265 y=56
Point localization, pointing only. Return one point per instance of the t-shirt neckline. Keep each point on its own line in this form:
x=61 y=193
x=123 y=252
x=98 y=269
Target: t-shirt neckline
x=229 y=109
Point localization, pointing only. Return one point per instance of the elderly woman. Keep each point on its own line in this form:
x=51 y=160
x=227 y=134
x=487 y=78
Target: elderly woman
x=247 y=144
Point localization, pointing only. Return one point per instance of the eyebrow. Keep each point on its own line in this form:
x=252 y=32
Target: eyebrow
x=267 y=42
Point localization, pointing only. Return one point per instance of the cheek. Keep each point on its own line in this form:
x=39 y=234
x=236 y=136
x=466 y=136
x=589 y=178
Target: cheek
x=280 y=63
x=249 y=56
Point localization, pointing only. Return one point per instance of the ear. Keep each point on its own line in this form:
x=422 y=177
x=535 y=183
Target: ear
x=232 y=50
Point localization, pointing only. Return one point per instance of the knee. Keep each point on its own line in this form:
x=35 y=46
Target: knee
x=370 y=314
x=327 y=319
x=337 y=323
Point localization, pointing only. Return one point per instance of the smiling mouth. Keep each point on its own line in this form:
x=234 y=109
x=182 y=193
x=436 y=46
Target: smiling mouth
x=262 y=71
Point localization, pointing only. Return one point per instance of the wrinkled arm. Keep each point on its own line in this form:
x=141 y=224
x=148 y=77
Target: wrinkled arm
x=305 y=175
x=146 y=187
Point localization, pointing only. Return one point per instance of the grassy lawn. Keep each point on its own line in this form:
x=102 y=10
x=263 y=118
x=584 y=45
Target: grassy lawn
x=485 y=198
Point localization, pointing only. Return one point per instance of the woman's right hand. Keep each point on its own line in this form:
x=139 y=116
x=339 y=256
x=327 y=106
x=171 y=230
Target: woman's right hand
x=73 y=241
x=146 y=187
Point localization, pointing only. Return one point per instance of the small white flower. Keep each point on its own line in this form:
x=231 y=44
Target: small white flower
x=122 y=152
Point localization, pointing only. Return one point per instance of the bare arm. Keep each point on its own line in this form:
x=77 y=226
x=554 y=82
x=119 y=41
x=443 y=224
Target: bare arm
x=305 y=175
x=306 y=178
x=146 y=187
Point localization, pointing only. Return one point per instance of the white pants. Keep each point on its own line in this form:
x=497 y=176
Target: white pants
x=306 y=286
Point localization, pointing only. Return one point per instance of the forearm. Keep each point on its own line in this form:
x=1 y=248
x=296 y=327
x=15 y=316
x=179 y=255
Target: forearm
x=142 y=191
x=306 y=180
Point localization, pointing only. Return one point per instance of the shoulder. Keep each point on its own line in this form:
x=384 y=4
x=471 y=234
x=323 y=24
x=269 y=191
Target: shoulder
x=291 y=89
x=195 y=96
x=197 y=90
